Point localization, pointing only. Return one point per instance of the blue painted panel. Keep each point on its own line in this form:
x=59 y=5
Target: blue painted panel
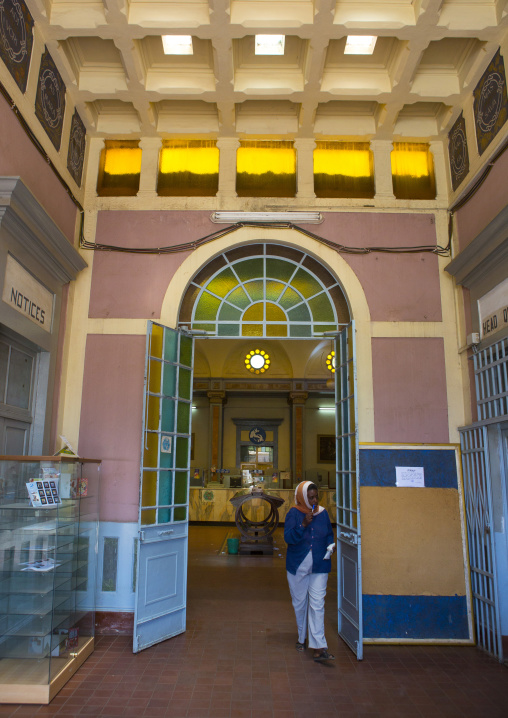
x=416 y=617
x=377 y=466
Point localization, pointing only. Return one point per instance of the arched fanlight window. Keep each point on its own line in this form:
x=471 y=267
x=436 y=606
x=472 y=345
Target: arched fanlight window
x=264 y=290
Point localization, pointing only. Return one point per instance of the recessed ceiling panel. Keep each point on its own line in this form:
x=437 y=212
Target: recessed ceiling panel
x=168 y=13
x=272 y=13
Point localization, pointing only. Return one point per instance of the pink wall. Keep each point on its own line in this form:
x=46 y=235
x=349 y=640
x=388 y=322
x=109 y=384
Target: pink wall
x=111 y=415
x=399 y=287
x=410 y=402
x=490 y=199
x=19 y=158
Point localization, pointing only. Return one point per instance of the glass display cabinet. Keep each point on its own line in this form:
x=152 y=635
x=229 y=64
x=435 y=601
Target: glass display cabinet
x=48 y=560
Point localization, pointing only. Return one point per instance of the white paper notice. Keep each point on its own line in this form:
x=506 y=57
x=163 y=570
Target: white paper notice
x=409 y=476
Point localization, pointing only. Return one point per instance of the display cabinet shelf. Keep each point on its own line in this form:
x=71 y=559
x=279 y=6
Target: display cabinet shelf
x=48 y=561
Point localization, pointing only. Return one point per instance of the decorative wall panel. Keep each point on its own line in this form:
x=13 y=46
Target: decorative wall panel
x=50 y=99
x=16 y=39
x=77 y=144
x=490 y=103
x=458 y=152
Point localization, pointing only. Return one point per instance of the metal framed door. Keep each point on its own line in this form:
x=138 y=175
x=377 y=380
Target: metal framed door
x=480 y=533
x=349 y=567
x=161 y=581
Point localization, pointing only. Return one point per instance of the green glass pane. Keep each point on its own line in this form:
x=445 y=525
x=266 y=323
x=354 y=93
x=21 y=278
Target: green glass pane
x=290 y=298
x=183 y=418
x=249 y=268
x=149 y=488
x=170 y=345
x=252 y=330
x=207 y=308
x=254 y=313
x=325 y=328
x=321 y=308
x=185 y=350
x=148 y=517
x=299 y=330
x=229 y=330
x=156 y=339
x=276 y=330
x=164 y=516
x=305 y=283
x=181 y=483
x=152 y=413
x=274 y=313
x=223 y=283
x=229 y=313
x=184 y=383
x=239 y=298
x=278 y=269
x=165 y=488
x=273 y=290
x=166 y=457
x=180 y=513
x=182 y=452
x=168 y=415
x=205 y=327
x=255 y=290
x=169 y=380
x=299 y=314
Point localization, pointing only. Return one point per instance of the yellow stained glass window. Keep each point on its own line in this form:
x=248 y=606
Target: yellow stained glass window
x=119 y=169
x=266 y=169
x=343 y=169
x=413 y=171
x=188 y=168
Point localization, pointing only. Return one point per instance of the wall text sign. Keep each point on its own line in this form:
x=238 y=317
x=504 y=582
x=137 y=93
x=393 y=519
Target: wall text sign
x=26 y=295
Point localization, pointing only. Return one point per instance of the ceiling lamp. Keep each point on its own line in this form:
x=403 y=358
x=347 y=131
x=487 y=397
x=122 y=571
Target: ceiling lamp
x=234 y=217
x=360 y=44
x=257 y=361
x=330 y=362
x=269 y=45
x=177 y=44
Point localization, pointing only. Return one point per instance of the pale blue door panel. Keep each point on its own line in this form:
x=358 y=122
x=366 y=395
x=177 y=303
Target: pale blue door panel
x=160 y=602
x=349 y=567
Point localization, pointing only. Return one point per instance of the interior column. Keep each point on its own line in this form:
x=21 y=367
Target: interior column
x=297 y=400
x=217 y=400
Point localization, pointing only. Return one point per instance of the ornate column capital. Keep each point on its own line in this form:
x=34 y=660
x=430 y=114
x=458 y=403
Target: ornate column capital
x=297 y=397
x=216 y=397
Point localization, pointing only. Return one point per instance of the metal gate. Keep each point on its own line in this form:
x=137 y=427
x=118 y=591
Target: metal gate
x=480 y=532
x=349 y=567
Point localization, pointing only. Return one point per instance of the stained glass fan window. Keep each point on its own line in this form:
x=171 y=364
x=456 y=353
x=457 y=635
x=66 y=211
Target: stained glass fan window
x=263 y=290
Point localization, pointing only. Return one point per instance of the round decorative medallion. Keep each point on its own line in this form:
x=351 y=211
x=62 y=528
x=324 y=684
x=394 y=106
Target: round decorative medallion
x=13 y=31
x=257 y=361
x=257 y=435
x=51 y=98
x=490 y=102
x=458 y=152
x=330 y=362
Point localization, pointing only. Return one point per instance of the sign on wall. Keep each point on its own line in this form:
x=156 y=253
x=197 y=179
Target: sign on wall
x=26 y=295
x=490 y=103
x=493 y=310
x=16 y=39
x=76 y=153
x=50 y=100
x=457 y=150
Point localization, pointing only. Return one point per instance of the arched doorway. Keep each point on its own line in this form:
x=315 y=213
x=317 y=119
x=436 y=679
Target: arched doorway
x=260 y=291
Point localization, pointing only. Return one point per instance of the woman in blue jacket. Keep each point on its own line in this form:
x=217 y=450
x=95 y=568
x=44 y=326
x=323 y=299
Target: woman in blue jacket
x=309 y=535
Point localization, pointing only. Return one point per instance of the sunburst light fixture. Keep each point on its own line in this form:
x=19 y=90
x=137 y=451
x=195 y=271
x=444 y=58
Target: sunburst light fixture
x=330 y=362
x=257 y=361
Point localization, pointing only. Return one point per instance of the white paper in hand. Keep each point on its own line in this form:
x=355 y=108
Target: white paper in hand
x=329 y=551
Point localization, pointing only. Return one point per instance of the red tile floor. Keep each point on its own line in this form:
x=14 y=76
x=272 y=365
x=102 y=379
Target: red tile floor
x=237 y=659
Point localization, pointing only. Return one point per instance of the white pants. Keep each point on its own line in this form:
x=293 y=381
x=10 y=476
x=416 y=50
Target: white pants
x=308 y=591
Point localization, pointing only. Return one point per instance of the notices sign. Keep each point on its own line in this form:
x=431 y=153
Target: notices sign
x=26 y=295
x=493 y=310
x=411 y=476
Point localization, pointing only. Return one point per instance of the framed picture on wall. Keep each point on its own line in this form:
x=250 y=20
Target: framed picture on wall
x=326 y=449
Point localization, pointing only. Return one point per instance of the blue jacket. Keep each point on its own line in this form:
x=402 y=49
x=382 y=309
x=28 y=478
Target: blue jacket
x=316 y=536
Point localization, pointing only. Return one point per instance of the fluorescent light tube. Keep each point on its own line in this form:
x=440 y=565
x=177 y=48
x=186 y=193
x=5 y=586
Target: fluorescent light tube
x=234 y=217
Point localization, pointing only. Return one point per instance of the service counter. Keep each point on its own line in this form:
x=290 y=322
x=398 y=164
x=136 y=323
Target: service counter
x=212 y=503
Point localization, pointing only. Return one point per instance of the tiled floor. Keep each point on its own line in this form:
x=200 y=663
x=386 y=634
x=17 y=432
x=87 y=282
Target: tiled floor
x=237 y=660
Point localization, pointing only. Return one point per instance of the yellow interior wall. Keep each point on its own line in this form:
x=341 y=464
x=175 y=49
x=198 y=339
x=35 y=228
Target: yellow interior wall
x=411 y=541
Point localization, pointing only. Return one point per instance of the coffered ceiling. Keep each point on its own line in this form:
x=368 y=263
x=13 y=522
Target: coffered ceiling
x=428 y=58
